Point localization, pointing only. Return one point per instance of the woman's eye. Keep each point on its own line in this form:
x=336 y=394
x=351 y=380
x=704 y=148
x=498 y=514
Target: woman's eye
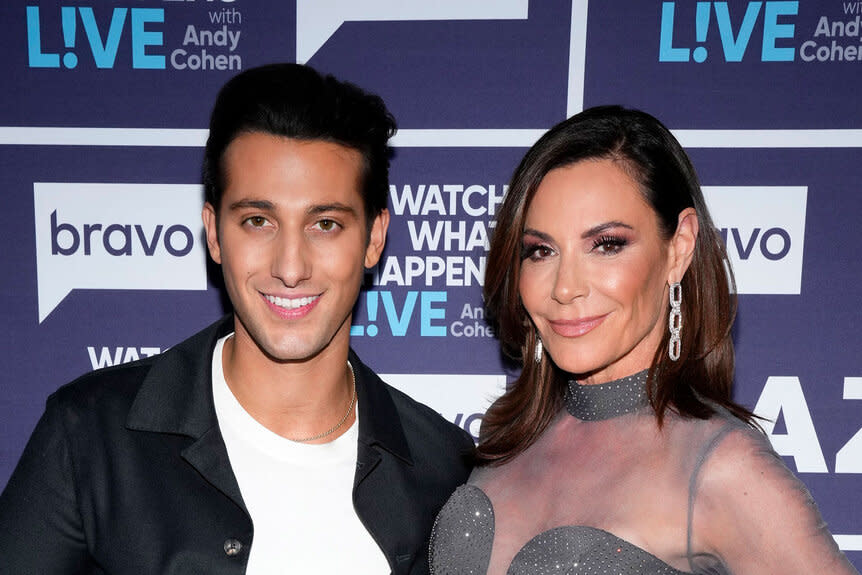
x=609 y=244
x=536 y=252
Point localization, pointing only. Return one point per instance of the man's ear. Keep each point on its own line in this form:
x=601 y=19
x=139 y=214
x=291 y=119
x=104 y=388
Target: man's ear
x=208 y=215
x=682 y=244
x=377 y=238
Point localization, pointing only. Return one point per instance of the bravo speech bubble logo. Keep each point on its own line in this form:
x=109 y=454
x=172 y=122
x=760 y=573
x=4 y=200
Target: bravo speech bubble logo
x=764 y=231
x=117 y=237
x=317 y=20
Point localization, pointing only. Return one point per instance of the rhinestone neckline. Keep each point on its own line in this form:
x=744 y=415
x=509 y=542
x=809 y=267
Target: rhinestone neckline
x=607 y=400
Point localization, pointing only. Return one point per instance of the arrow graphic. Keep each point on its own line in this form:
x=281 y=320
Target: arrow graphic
x=317 y=20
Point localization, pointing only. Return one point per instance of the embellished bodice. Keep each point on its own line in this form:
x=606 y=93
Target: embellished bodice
x=463 y=538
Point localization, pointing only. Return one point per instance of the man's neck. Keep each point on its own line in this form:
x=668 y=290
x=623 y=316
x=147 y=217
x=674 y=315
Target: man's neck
x=297 y=400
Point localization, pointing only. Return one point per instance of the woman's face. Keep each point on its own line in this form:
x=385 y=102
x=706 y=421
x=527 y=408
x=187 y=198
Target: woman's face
x=595 y=271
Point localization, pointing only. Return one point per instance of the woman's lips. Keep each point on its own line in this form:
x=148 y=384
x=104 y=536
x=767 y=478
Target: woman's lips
x=576 y=327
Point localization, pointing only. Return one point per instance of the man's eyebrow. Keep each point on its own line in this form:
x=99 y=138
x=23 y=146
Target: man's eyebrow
x=595 y=230
x=333 y=207
x=256 y=204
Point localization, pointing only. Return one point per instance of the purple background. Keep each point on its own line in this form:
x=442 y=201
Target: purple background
x=448 y=74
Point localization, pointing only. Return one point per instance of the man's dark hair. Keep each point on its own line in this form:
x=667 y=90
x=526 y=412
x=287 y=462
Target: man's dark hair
x=297 y=102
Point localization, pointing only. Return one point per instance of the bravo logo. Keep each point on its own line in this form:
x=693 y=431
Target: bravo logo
x=117 y=237
x=461 y=399
x=764 y=231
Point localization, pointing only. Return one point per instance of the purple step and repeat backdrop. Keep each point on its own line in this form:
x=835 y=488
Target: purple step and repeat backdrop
x=105 y=105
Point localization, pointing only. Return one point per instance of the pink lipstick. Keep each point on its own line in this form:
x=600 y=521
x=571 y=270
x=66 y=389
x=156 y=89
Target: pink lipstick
x=576 y=327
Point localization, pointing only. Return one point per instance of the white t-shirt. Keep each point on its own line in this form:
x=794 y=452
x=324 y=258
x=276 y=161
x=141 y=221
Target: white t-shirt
x=299 y=496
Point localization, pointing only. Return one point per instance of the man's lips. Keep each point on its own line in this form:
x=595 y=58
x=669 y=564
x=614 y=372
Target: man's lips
x=576 y=327
x=291 y=307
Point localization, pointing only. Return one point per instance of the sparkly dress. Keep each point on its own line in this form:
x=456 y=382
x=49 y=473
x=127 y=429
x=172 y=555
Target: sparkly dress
x=604 y=490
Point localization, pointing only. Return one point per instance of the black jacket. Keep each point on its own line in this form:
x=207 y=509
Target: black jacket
x=127 y=472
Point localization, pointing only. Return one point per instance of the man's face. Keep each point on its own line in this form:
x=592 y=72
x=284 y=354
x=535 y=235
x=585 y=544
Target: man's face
x=292 y=241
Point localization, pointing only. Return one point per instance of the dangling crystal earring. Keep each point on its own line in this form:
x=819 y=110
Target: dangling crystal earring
x=674 y=322
x=539 y=349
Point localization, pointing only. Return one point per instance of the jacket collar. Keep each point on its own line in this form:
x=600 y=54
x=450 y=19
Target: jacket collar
x=176 y=395
x=379 y=422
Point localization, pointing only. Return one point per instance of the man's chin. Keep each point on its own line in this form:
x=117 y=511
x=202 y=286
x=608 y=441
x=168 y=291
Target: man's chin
x=293 y=351
x=287 y=354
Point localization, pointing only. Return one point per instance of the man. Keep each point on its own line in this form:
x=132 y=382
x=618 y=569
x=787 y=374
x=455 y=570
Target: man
x=262 y=444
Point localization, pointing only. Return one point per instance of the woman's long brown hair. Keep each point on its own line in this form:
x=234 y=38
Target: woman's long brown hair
x=703 y=375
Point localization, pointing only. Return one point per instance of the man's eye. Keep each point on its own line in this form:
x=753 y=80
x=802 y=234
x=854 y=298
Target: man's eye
x=326 y=225
x=256 y=221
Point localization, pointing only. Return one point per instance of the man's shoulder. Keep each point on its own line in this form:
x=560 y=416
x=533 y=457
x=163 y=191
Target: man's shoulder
x=112 y=383
x=114 y=388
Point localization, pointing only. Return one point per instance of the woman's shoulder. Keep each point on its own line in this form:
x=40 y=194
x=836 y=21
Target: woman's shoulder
x=742 y=492
x=732 y=458
x=729 y=450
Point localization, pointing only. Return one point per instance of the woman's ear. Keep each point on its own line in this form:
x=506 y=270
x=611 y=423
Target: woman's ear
x=682 y=244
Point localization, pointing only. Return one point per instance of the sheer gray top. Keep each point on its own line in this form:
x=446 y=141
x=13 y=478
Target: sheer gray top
x=604 y=490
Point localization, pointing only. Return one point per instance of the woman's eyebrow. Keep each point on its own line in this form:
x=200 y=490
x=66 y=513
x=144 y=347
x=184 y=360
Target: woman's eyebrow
x=595 y=230
x=541 y=235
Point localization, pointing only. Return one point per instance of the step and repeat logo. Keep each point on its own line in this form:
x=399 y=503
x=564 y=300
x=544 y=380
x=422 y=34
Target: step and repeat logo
x=764 y=233
x=70 y=35
x=317 y=20
x=64 y=35
x=461 y=399
x=783 y=399
x=431 y=286
x=767 y=31
x=441 y=262
x=117 y=237
x=149 y=236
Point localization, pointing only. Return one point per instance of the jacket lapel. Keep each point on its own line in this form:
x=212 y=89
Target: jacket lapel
x=208 y=456
x=379 y=422
x=383 y=461
x=176 y=397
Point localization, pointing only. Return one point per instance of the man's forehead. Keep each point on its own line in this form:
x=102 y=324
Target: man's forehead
x=288 y=142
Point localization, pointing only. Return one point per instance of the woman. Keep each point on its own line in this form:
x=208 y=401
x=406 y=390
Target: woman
x=619 y=448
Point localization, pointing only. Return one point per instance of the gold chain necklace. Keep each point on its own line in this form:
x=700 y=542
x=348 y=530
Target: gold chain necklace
x=332 y=429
